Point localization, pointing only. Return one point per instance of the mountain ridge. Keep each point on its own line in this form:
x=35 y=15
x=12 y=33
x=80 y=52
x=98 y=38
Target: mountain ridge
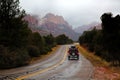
x=87 y=27
x=50 y=23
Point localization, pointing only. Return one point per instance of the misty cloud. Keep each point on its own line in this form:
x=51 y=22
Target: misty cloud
x=76 y=12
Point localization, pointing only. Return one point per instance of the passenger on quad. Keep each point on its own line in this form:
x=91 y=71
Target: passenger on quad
x=73 y=53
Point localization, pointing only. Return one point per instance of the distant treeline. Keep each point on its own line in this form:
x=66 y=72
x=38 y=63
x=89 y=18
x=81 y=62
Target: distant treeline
x=106 y=42
x=18 y=44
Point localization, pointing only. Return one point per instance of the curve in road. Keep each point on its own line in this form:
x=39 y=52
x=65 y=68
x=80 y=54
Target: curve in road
x=56 y=67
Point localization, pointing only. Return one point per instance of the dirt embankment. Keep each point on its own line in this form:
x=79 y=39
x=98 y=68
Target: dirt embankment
x=102 y=69
x=103 y=73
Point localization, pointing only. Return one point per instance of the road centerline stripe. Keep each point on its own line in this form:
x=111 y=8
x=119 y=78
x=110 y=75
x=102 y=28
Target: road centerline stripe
x=44 y=70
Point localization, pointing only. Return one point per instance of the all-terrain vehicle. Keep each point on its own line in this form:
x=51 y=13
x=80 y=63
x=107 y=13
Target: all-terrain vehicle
x=73 y=53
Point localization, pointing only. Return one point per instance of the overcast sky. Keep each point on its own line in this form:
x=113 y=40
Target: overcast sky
x=75 y=12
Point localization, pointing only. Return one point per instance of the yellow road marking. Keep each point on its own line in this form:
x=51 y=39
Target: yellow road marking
x=44 y=70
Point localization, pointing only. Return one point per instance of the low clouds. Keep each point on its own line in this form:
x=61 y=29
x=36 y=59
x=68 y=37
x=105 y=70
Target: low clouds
x=76 y=12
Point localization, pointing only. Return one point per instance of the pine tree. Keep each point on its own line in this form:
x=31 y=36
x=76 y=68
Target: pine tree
x=13 y=30
x=13 y=35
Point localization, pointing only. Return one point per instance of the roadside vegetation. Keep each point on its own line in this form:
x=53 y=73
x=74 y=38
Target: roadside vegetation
x=104 y=43
x=101 y=47
x=18 y=44
x=102 y=68
x=96 y=61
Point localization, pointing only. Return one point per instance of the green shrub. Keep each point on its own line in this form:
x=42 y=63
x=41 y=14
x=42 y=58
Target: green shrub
x=33 y=51
x=15 y=58
x=46 y=50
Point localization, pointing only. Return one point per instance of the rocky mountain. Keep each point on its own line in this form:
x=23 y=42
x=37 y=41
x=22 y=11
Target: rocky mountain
x=50 y=23
x=55 y=19
x=98 y=27
x=33 y=22
x=83 y=28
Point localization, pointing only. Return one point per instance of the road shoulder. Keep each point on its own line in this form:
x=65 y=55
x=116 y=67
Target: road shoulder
x=102 y=70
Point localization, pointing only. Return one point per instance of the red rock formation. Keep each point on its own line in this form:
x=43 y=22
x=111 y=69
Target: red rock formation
x=55 y=19
x=51 y=24
x=31 y=19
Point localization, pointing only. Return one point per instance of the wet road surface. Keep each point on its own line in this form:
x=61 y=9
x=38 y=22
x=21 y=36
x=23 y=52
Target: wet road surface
x=57 y=67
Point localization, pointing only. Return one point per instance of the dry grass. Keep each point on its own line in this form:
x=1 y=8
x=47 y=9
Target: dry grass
x=95 y=60
x=108 y=72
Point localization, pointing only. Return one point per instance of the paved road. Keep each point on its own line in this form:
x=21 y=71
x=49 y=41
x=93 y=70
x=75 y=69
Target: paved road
x=56 y=67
